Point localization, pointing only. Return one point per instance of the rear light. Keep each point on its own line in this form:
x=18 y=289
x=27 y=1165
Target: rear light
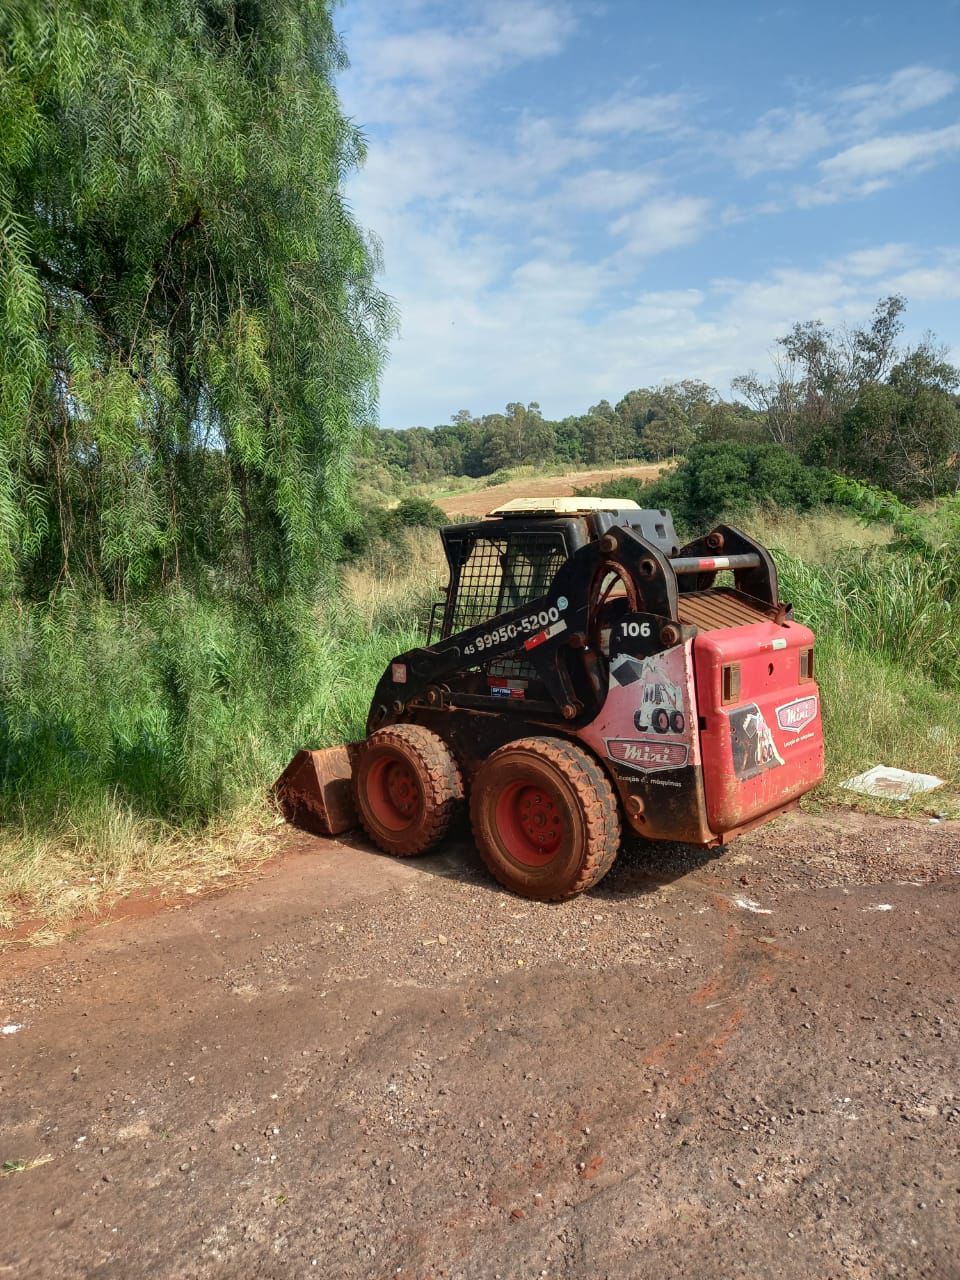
x=806 y=664
x=730 y=686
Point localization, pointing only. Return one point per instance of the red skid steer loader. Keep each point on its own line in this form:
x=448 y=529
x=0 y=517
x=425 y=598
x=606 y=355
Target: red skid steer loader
x=583 y=673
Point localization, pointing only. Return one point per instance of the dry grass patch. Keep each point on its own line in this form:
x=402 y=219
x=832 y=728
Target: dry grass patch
x=816 y=536
x=86 y=865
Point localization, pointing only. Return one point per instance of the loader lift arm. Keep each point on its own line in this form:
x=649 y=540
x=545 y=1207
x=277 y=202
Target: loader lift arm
x=546 y=629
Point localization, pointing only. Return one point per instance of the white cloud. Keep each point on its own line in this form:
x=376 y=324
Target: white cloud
x=556 y=281
x=662 y=224
x=871 y=166
x=605 y=190
x=781 y=139
x=654 y=113
x=909 y=89
x=543 y=147
x=892 y=153
x=936 y=282
x=508 y=33
x=785 y=138
x=879 y=260
x=543 y=336
x=401 y=76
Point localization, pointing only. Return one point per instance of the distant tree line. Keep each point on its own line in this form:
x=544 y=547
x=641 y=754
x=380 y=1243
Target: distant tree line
x=852 y=400
x=653 y=423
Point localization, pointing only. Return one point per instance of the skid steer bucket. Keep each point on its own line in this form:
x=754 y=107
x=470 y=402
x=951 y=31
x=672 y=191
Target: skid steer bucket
x=313 y=792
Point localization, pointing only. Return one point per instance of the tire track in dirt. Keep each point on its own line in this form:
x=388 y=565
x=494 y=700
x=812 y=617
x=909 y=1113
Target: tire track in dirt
x=299 y=1077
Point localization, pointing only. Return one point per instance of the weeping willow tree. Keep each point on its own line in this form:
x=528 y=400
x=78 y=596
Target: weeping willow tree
x=190 y=337
x=190 y=332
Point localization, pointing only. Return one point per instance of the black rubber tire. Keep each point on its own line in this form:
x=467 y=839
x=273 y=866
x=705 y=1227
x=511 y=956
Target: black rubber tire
x=677 y=721
x=660 y=720
x=433 y=774
x=577 y=785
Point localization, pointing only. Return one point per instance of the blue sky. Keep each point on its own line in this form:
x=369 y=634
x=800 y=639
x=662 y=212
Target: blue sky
x=575 y=199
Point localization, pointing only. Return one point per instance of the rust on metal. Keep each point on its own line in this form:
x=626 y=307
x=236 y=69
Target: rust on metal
x=710 y=610
x=313 y=792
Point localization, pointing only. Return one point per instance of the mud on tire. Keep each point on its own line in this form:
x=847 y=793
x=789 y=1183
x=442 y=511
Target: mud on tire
x=407 y=787
x=545 y=818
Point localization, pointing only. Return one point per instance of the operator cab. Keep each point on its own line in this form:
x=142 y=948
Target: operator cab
x=511 y=556
x=652 y=524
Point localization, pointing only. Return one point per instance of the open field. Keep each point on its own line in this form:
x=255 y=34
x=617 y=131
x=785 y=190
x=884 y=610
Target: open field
x=564 y=484
x=366 y=1067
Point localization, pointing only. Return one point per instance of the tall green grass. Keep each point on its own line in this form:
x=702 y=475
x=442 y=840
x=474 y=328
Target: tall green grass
x=888 y=649
x=184 y=708
x=877 y=711
x=124 y=731
x=882 y=591
x=893 y=603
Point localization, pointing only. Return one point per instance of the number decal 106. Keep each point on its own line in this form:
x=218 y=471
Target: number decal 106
x=635 y=629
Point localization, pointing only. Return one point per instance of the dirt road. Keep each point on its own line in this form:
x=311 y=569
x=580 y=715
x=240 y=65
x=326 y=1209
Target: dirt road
x=361 y=1067
x=479 y=501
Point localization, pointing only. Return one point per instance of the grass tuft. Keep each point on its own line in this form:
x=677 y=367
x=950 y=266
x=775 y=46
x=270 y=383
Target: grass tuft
x=10 y=1167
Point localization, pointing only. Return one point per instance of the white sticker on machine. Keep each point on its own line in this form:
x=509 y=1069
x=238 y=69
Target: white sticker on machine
x=793 y=717
x=645 y=722
x=753 y=746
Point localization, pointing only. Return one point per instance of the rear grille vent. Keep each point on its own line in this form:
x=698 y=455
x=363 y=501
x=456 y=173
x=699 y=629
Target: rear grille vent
x=719 y=607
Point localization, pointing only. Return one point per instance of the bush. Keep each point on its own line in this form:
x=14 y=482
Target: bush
x=386 y=524
x=727 y=479
x=419 y=513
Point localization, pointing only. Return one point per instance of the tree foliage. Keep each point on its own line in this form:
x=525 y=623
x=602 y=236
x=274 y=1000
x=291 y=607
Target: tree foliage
x=726 y=479
x=190 y=332
x=652 y=423
x=853 y=399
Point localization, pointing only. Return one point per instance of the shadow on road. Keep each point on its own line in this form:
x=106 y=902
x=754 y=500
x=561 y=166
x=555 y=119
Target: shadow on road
x=641 y=867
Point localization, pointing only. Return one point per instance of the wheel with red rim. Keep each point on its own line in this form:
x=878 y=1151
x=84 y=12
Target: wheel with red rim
x=545 y=818
x=677 y=721
x=660 y=720
x=406 y=787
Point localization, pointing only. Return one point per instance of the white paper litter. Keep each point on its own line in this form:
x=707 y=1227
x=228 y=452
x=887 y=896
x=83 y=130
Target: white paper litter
x=11 y=1028
x=892 y=784
x=748 y=904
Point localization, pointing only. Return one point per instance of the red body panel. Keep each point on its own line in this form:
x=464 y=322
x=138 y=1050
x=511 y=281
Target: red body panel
x=765 y=748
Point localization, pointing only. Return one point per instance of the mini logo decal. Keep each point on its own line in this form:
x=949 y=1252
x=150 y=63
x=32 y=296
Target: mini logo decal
x=647 y=753
x=796 y=715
